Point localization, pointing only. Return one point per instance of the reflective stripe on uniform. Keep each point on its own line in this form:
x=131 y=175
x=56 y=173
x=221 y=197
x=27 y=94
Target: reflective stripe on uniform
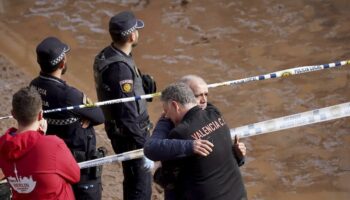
x=62 y=121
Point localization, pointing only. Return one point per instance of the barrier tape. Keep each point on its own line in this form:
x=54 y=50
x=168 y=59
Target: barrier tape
x=277 y=74
x=113 y=158
x=102 y=103
x=291 y=121
x=282 y=73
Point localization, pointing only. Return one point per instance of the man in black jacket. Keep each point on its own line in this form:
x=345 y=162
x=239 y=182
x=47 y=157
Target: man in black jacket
x=75 y=127
x=215 y=176
x=200 y=90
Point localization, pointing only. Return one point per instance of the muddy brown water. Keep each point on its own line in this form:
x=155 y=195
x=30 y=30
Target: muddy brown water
x=219 y=40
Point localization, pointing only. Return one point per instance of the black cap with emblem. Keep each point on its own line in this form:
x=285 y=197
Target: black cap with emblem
x=124 y=23
x=50 y=52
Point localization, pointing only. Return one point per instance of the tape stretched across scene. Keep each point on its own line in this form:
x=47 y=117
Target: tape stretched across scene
x=97 y=104
x=277 y=74
x=113 y=158
x=277 y=124
x=282 y=73
x=292 y=121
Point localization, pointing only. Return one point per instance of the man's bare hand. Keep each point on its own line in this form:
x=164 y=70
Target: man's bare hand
x=202 y=147
x=239 y=148
x=84 y=123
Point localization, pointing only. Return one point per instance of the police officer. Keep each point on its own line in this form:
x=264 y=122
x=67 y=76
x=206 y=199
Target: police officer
x=75 y=127
x=127 y=124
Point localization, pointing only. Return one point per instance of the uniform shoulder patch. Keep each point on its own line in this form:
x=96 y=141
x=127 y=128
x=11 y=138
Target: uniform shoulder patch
x=126 y=85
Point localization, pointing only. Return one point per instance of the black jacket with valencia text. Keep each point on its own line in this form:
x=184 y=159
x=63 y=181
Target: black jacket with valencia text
x=216 y=176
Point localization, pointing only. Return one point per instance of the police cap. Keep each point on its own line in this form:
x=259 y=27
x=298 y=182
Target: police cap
x=50 y=52
x=124 y=23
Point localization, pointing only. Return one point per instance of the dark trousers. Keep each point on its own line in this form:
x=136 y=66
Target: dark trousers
x=88 y=188
x=170 y=195
x=5 y=192
x=137 y=182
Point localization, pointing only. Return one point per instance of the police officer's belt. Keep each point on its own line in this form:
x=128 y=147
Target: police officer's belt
x=62 y=121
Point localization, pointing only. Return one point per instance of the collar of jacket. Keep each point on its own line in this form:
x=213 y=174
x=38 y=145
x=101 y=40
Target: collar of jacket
x=51 y=78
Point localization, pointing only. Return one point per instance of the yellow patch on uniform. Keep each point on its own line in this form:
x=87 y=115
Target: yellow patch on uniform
x=126 y=86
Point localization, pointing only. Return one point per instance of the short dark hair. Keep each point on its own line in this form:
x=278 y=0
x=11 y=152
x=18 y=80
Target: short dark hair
x=26 y=104
x=179 y=92
x=48 y=69
x=119 y=38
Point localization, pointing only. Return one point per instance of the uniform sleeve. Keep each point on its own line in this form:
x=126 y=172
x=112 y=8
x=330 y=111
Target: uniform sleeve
x=159 y=148
x=120 y=80
x=66 y=165
x=94 y=115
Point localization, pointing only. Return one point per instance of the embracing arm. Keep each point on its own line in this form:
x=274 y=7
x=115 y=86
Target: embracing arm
x=158 y=147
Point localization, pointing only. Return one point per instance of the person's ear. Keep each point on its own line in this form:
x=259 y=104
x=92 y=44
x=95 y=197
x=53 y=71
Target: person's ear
x=13 y=114
x=175 y=105
x=132 y=37
x=40 y=115
x=61 y=64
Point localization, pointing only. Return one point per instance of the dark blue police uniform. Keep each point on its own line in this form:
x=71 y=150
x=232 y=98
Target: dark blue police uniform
x=127 y=124
x=56 y=93
x=67 y=125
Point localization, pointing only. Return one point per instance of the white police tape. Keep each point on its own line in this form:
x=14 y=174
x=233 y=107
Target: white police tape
x=291 y=121
x=282 y=73
x=97 y=104
x=113 y=158
x=102 y=103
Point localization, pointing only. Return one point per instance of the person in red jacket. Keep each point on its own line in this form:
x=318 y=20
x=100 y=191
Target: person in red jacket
x=35 y=165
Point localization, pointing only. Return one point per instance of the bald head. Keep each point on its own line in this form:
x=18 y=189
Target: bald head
x=199 y=87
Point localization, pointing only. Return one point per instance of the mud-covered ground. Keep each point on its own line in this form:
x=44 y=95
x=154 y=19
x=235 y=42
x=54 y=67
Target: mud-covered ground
x=219 y=40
